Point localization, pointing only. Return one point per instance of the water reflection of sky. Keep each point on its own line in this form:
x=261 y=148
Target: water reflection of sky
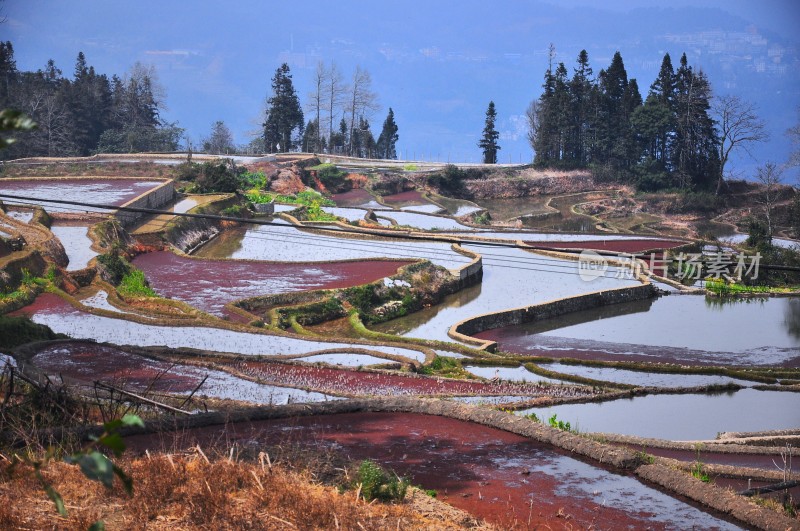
x=682 y=417
x=692 y=322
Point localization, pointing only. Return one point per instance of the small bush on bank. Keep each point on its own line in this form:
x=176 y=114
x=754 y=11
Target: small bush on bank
x=135 y=285
x=377 y=484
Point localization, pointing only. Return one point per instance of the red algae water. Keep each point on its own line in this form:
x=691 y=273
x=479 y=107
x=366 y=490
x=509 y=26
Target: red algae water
x=210 y=284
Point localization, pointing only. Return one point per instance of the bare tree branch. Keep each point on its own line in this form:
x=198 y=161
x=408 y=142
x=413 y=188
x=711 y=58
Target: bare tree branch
x=739 y=127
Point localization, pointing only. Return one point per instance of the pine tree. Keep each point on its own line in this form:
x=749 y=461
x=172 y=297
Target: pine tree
x=696 y=158
x=488 y=142
x=387 y=140
x=581 y=95
x=545 y=143
x=284 y=116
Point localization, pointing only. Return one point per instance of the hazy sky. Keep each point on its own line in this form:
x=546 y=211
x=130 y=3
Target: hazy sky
x=436 y=63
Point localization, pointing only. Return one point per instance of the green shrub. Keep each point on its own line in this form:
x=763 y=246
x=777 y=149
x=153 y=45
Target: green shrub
x=554 y=422
x=377 y=484
x=218 y=177
x=135 y=285
x=188 y=171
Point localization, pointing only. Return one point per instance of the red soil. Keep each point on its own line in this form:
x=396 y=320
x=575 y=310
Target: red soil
x=504 y=478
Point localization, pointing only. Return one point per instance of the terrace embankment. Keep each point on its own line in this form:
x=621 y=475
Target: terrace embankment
x=154 y=198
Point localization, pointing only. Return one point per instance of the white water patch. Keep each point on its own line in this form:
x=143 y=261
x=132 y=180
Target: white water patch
x=422 y=221
x=644 y=379
x=348 y=213
x=738 y=238
x=24 y=216
x=77 y=243
x=84 y=325
x=345 y=359
x=511 y=374
x=292 y=245
x=424 y=209
x=683 y=416
x=484 y=400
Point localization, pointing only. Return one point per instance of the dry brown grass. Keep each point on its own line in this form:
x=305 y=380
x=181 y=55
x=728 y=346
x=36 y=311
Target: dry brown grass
x=190 y=492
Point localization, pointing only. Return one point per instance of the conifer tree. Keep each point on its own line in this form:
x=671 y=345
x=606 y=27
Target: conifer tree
x=488 y=142
x=388 y=138
x=284 y=117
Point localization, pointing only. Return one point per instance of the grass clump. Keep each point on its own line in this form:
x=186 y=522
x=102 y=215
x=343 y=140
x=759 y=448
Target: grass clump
x=444 y=366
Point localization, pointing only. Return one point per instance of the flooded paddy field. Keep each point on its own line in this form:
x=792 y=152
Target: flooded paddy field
x=76 y=241
x=289 y=244
x=23 y=215
x=507 y=479
x=511 y=278
x=372 y=383
x=506 y=209
x=618 y=245
x=404 y=199
x=458 y=207
x=85 y=363
x=682 y=416
x=88 y=190
x=510 y=374
x=209 y=284
x=61 y=317
x=421 y=221
x=690 y=330
x=642 y=378
x=425 y=209
x=358 y=197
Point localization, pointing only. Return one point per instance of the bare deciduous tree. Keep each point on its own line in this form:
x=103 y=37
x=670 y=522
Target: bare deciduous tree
x=361 y=100
x=739 y=127
x=335 y=90
x=317 y=98
x=769 y=176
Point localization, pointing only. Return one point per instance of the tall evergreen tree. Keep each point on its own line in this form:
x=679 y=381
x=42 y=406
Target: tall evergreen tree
x=581 y=105
x=388 y=138
x=545 y=144
x=614 y=125
x=696 y=157
x=8 y=73
x=284 y=118
x=490 y=136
